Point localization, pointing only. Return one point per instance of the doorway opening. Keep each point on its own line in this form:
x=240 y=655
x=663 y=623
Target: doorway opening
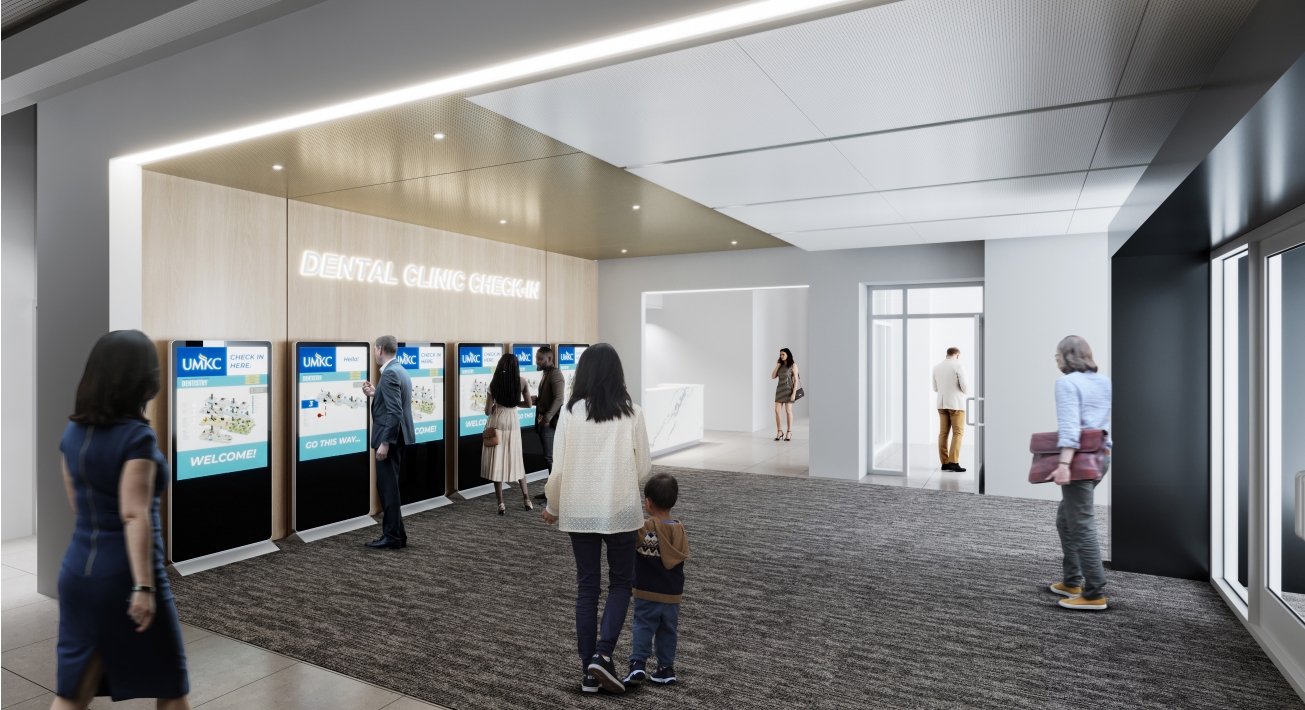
x=911 y=330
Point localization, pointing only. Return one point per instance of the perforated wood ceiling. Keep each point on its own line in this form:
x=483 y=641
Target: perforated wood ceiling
x=488 y=177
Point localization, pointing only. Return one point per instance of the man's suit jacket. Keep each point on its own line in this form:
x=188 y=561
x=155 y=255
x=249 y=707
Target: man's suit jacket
x=392 y=408
x=949 y=382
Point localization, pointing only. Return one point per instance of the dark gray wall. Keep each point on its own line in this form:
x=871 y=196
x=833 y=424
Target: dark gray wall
x=18 y=305
x=1160 y=507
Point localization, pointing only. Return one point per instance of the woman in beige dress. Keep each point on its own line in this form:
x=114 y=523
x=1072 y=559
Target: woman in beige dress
x=504 y=463
x=786 y=372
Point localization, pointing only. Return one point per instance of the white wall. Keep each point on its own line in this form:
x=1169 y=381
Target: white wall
x=835 y=372
x=705 y=338
x=18 y=332
x=1038 y=291
x=779 y=320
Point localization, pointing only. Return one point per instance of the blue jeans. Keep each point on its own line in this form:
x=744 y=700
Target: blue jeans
x=655 y=619
x=588 y=549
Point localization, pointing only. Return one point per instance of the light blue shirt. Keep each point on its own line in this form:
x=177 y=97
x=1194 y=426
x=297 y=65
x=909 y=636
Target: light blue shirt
x=1082 y=402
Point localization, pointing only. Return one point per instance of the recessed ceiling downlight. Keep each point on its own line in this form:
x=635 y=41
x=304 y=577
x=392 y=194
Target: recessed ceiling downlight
x=439 y=136
x=733 y=242
x=636 y=207
x=502 y=221
x=622 y=251
x=276 y=167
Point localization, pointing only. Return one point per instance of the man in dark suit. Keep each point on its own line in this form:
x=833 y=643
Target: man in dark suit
x=548 y=405
x=392 y=430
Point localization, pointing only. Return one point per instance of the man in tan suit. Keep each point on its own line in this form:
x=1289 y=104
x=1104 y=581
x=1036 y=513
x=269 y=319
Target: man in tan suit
x=949 y=382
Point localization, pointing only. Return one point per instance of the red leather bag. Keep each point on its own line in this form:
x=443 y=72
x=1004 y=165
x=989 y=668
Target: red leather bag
x=1088 y=464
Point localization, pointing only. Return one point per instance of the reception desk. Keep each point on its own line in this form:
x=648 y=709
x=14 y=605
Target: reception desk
x=674 y=417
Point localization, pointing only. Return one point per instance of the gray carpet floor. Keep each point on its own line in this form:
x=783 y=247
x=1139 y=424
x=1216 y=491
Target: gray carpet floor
x=800 y=593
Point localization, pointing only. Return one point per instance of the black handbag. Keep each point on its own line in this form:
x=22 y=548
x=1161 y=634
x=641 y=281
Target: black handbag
x=800 y=392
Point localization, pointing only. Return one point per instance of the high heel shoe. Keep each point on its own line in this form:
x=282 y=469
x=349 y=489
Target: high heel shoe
x=501 y=509
x=529 y=505
x=779 y=434
x=788 y=436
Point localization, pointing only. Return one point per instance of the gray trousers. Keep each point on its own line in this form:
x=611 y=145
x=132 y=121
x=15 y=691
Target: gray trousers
x=1076 y=521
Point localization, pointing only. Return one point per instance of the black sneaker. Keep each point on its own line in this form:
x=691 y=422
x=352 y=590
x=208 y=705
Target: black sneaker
x=589 y=684
x=637 y=673
x=664 y=675
x=605 y=671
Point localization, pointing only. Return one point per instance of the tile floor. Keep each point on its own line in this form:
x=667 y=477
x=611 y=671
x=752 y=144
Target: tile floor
x=224 y=673
x=758 y=452
x=749 y=452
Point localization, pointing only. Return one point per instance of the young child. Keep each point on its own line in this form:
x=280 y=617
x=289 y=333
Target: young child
x=661 y=551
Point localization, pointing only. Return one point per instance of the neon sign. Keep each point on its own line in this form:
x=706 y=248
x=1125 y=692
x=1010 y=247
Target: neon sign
x=364 y=270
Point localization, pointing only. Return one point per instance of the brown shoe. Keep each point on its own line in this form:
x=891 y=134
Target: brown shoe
x=1085 y=604
x=1066 y=591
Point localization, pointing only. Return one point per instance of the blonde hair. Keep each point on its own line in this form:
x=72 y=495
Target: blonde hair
x=1075 y=355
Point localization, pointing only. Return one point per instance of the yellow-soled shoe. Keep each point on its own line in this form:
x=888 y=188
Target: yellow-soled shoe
x=1084 y=604
x=1066 y=591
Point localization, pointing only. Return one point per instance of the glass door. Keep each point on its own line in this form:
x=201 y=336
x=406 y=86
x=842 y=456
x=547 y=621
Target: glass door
x=912 y=328
x=1285 y=308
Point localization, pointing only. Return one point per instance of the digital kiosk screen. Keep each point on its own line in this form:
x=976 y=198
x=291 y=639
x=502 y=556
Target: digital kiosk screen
x=332 y=480
x=221 y=429
x=532 y=449
x=568 y=356
x=422 y=477
x=476 y=363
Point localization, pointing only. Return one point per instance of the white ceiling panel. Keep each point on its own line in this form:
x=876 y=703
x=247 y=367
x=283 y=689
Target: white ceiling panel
x=1137 y=128
x=1092 y=221
x=821 y=213
x=889 y=235
x=1011 y=146
x=793 y=173
x=1109 y=188
x=1045 y=193
x=914 y=62
x=1180 y=41
x=700 y=101
x=1006 y=227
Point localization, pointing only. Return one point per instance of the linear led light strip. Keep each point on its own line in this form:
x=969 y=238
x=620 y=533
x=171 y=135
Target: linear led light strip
x=689 y=28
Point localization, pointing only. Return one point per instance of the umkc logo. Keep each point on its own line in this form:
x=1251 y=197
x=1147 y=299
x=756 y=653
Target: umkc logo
x=471 y=358
x=201 y=361
x=567 y=356
x=317 y=359
x=525 y=356
x=407 y=357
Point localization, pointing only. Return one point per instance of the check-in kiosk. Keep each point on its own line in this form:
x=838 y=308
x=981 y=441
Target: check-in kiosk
x=568 y=356
x=332 y=464
x=220 y=500
x=531 y=448
x=422 y=482
x=476 y=363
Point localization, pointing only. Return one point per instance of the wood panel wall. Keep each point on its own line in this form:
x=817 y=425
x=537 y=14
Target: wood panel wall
x=221 y=263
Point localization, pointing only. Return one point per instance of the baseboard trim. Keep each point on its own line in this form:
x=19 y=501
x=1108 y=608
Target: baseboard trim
x=677 y=447
x=424 y=505
x=225 y=557
x=325 y=531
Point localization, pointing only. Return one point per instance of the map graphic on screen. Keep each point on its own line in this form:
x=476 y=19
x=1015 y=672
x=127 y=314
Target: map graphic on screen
x=221 y=409
x=425 y=366
x=332 y=407
x=476 y=365
x=529 y=370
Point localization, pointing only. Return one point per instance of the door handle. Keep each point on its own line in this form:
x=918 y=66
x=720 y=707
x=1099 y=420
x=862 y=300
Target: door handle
x=967 y=411
x=1300 y=504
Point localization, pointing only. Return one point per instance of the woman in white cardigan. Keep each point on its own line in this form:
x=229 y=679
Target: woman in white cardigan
x=601 y=460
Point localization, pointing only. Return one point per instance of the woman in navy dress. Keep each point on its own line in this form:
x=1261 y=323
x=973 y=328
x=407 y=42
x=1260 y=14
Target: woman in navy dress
x=118 y=628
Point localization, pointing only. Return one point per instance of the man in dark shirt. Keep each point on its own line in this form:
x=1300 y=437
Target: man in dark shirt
x=548 y=405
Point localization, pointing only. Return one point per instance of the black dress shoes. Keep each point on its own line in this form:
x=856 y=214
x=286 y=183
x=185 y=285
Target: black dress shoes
x=385 y=543
x=953 y=467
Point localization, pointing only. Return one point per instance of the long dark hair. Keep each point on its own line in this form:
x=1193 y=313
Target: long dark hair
x=505 y=388
x=600 y=382
x=790 y=362
x=121 y=375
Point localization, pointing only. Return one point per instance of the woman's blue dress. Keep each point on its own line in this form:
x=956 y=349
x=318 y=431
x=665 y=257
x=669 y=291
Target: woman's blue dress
x=95 y=581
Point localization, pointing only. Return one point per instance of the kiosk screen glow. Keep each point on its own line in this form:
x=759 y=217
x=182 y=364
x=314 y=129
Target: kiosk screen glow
x=529 y=370
x=475 y=369
x=425 y=366
x=221 y=405
x=568 y=356
x=332 y=406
